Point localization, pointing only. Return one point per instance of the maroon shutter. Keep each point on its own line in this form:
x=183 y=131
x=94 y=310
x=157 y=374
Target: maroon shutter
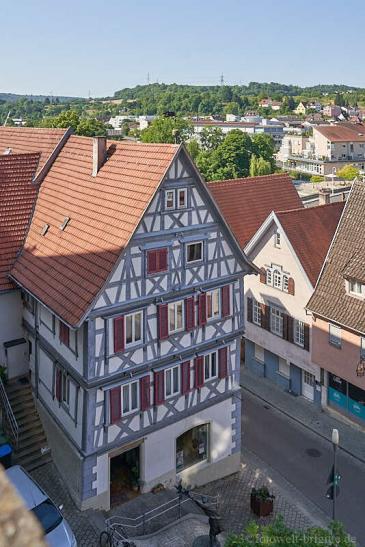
x=202 y=309
x=151 y=261
x=58 y=384
x=262 y=275
x=249 y=309
x=189 y=313
x=115 y=404
x=265 y=316
x=291 y=286
x=290 y=329
x=226 y=304
x=185 y=377
x=145 y=392
x=285 y=326
x=222 y=362
x=306 y=336
x=64 y=334
x=199 y=371
x=118 y=327
x=163 y=325
x=159 y=387
x=162 y=260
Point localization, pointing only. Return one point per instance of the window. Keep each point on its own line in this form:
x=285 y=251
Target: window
x=192 y=447
x=285 y=283
x=213 y=304
x=276 y=321
x=130 y=397
x=355 y=287
x=362 y=347
x=269 y=276
x=335 y=335
x=170 y=199
x=64 y=334
x=46 y=318
x=28 y=302
x=172 y=381
x=133 y=328
x=176 y=316
x=194 y=252
x=299 y=333
x=182 y=201
x=62 y=386
x=277 y=239
x=157 y=261
x=259 y=353
x=65 y=389
x=284 y=367
x=277 y=279
x=256 y=313
x=210 y=366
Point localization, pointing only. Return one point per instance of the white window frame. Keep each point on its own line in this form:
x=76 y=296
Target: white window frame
x=259 y=353
x=185 y=192
x=174 y=306
x=208 y=360
x=277 y=279
x=285 y=283
x=334 y=337
x=362 y=347
x=129 y=388
x=65 y=389
x=256 y=312
x=172 y=192
x=215 y=296
x=175 y=390
x=353 y=283
x=299 y=333
x=201 y=243
x=284 y=367
x=134 y=342
x=269 y=276
x=276 y=319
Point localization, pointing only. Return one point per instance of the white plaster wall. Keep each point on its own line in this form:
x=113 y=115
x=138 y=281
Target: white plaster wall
x=263 y=255
x=11 y=309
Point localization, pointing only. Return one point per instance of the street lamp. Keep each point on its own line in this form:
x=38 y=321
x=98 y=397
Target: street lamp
x=335 y=443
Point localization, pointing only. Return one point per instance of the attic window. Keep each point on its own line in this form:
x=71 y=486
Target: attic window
x=44 y=229
x=64 y=223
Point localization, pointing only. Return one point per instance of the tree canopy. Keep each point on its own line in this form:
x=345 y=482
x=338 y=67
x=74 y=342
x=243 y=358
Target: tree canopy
x=348 y=172
x=167 y=129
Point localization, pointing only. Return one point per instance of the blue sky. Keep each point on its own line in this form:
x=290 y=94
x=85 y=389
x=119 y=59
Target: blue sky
x=73 y=47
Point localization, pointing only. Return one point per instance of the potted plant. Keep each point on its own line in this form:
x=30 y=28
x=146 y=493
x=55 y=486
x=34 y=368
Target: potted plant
x=262 y=502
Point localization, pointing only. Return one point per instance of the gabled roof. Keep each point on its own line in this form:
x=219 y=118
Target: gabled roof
x=246 y=203
x=17 y=199
x=65 y=269
x=310 y=232
x=22 y=140
x=343 y=132
x=345 y=259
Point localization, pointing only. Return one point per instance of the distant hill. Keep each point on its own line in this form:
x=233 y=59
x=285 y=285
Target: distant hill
x=13 y=97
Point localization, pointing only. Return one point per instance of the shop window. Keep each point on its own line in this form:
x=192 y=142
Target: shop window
x=192 y=447
x=335 y=335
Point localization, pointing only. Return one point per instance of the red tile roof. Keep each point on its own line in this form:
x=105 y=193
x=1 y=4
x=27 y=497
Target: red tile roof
x=246 y=203
x=17 y=198
x=30 y=139
x=67 y=269
x=310 y=232
x=342 y=133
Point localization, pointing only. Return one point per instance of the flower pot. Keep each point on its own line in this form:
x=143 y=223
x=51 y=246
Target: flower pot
x=261 y=507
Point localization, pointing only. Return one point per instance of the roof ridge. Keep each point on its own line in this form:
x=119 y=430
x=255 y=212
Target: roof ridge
x=298 y=209
x=250 y=179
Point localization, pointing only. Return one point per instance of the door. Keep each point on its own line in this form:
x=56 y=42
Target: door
x=308 y=385
x=124 y=476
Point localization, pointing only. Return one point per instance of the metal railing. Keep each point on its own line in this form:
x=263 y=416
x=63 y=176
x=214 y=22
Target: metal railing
x=9 y=423
x=121 y=528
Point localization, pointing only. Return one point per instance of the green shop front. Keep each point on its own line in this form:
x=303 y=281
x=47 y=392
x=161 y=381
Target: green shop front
x=346 y=397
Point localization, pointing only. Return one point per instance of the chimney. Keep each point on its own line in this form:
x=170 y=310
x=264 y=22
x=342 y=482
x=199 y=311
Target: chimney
x=324 y=196
x=99 y=154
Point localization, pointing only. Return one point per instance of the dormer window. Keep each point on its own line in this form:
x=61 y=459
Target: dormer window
x=355 y=288
x=277 y=240
x=170 y=199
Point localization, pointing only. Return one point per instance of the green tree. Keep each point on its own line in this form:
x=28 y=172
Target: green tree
x=348 y=172
x=263 y=146
x=193 y=148
x=232 y=108
x=90 y=127
x=259 y=166
x=68 y=118
x=278 y=535
x=231 y=158
x=211 y=137
x=168 y=130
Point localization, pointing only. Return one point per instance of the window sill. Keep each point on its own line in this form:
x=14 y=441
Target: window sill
x=176 y=210
x=282 y=375
x=333 y=345
x=194 y=264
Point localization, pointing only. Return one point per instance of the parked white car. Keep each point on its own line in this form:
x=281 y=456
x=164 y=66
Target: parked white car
x=57 y=531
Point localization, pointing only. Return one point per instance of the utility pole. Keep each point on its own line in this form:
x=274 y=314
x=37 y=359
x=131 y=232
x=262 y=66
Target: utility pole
x=222 y=79
x=148 y=78
x=334 y=477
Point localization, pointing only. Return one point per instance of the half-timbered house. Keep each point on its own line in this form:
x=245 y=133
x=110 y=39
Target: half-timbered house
x=136 y=290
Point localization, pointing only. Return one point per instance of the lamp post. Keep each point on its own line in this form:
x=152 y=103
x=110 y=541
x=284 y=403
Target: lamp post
x=335 y=442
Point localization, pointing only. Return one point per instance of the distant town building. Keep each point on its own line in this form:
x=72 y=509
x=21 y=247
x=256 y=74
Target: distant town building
x=332 y=111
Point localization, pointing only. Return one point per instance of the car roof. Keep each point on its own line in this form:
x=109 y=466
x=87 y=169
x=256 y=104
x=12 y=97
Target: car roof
x=27 y=489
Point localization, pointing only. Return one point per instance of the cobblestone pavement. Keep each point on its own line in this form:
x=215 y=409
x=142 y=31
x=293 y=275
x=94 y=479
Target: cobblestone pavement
x=49 y=479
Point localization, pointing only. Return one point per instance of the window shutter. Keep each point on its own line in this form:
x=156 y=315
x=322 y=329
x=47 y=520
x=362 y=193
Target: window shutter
x=306 y=336
x=285 y=326
x=262 y=275
x=159 y=387
x=226 y=304
x=290 y=329
x=118 y=328
x=163 y=325
x=185 y=377
x=58 y=384
x=115 y=404
x=199 y=371
x=249 y=309
x=189 y=313
x=151 y=261
x=265 y=317
x=162 y=260
x=291 y=286
x=202 y=309
x=64 y=334
x=145 y=392
x=222 y=362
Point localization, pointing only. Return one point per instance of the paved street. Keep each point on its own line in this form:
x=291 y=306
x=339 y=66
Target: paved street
x=305 y=459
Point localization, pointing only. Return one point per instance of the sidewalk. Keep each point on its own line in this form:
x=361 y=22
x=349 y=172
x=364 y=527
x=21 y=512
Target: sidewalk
x=320 y=421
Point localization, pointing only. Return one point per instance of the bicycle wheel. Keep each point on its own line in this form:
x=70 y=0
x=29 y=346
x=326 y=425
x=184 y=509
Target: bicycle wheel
x=105 y=539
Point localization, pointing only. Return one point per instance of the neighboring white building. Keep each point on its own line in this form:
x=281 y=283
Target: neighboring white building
x=117 y=121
